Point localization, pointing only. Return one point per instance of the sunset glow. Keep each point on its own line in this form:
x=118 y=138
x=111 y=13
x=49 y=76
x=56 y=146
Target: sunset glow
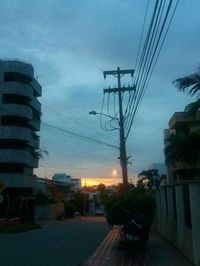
x=114 y=172
x=96 y=181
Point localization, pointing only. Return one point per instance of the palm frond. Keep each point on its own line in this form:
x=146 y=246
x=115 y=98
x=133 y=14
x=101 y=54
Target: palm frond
x=193 y=107
x=189 y=84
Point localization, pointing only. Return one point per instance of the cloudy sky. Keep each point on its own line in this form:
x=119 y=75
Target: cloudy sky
x=70 y=43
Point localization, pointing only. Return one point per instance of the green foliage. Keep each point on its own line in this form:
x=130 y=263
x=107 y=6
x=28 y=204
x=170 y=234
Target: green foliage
x=42 y=199
x=184 y=148
x=191 y=85
x=81 y=202
x=148 y=178
x=19 y=228
x=101 y=187
x=70 y=209
x=137 y=200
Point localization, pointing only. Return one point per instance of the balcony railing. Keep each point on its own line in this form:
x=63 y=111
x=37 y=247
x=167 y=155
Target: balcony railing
x=16 y=110
x=18 y=88
x=14 y=132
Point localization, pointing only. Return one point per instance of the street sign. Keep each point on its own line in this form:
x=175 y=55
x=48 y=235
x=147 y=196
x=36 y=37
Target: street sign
x=2 y=186
x=1 y=198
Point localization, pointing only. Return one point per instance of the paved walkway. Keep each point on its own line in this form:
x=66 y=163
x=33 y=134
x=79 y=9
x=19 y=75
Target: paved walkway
x=115 y=252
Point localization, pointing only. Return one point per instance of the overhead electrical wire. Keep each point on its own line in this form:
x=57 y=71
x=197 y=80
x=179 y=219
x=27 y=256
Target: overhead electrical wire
x=79 y=135
x=69 y=132
x=82 y=168
x=154 y=41
x=73 y=120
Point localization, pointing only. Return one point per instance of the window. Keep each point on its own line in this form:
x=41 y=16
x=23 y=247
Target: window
x=18 y=77
x=14 y=121
x=12 y=144
x=166 y=202
x=15 y=98
x=174 y=203
x=11 y=168
x=186 y=204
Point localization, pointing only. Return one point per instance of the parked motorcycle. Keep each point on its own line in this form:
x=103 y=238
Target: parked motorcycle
x=136 y=226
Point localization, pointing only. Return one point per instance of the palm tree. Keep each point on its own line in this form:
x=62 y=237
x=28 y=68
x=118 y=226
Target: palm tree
x=191 y=85
x=40 y=153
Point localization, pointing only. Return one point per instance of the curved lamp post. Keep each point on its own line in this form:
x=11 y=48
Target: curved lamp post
x=122 y=157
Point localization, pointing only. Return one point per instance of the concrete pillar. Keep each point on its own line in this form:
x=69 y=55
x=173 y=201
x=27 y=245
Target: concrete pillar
x=195 y=217
x=163 y=212
x=170 y=213
x=158 y=211
x=180 y=215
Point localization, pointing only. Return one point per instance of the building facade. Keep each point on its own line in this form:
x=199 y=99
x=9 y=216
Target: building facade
x=20 y=113
x=178 y=215
x=75 y=183
x=182 y=124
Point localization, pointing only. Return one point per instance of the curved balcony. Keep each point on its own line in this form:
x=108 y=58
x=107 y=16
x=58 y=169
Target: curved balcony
x=17 y=66
x=17 y=180
x=18 y=88
x=35 y=142
x=35 y=124
x=18 y=156
x=14 y=132
x=37 y=87
x=36 y=105
x=16 y=110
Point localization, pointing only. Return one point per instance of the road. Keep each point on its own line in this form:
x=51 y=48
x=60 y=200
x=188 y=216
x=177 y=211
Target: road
x=62 y=243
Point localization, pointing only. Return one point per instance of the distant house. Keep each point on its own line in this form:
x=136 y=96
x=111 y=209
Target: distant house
x=160 y=167
x=67 y=179
x=178 y=215
x=160 y=179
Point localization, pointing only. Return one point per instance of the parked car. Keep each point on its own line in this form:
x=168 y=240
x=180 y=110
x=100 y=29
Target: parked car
x=99 y=212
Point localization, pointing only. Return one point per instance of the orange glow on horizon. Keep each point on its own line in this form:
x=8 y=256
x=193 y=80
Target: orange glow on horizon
x=106 y=181
x=97 y=181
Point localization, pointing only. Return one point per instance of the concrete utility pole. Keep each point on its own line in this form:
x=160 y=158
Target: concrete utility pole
x=123 y=157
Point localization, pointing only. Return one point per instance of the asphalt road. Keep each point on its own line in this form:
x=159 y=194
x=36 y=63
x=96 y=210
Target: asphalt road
x=61 y=243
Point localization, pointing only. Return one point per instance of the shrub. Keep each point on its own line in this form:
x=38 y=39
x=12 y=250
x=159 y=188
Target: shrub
x=70 y=209
x=42 y=199
x=137 y=200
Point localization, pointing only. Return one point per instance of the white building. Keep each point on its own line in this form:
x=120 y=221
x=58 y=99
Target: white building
x=74 y=182
x=161 y=167
x=20 y=113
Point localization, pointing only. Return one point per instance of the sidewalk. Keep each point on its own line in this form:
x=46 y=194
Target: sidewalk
x=115 y=252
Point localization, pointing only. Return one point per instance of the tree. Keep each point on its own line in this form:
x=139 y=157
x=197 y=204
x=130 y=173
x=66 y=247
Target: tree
x=148 y=178
x=183 y=148
x=101 y=187
x=191 y=85
x=138 y=200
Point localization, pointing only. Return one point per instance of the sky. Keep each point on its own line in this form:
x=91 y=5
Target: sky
x=70 y=43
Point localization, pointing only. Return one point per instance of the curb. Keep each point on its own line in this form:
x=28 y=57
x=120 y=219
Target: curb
x=104 y=253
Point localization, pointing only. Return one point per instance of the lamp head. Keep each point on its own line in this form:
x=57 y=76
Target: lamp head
x=92 y=112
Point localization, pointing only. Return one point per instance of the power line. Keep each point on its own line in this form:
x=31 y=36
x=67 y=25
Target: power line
x=79 y=135
x=158 y=29
x=81 y=168
x=69 y=132
x=71 y=119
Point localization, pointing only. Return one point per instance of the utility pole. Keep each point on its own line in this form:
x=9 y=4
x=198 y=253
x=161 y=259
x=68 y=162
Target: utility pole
x=123 y=157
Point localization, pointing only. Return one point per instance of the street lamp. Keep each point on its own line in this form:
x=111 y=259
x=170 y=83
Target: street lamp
x=123 y=158
x=119 y=73
x=96 y=113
